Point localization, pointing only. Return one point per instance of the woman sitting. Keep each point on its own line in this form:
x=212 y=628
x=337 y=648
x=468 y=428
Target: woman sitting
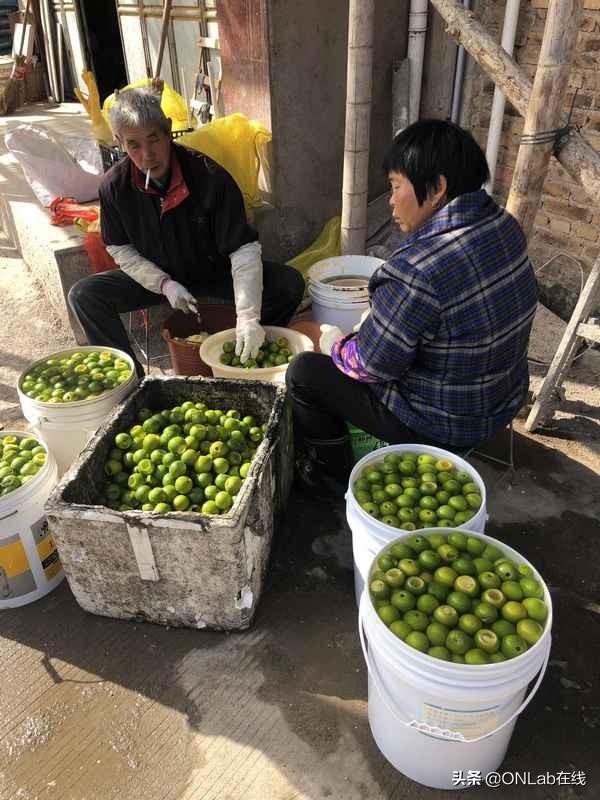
x=442 y=356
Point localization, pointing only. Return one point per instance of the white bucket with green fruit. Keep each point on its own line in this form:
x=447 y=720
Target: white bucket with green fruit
x=67 y=395
x=29 y=563
x=450 y=661
x=400 y=470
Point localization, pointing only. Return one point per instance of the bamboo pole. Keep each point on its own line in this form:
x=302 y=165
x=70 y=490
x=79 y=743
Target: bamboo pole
x=545 y=109
x=358 y=119
x=164 y=27
x=576 y=155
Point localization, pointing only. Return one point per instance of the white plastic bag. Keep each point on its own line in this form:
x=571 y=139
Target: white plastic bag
x=50 y=169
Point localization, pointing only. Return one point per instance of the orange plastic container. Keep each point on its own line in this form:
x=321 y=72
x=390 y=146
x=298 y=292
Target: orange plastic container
x=185 y=356
x=100 y=260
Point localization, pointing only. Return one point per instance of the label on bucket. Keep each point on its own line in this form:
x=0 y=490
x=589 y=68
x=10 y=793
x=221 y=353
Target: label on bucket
x=46 y=547
x=470 y=723
x=16 y=577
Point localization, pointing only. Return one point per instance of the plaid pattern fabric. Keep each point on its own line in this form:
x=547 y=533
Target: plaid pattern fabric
x=451 y=315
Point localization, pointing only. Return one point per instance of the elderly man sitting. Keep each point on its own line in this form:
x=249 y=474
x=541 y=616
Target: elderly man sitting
x=174 y=222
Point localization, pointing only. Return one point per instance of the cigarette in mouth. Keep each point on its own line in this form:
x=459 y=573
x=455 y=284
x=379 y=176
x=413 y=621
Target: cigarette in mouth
x=147 y=177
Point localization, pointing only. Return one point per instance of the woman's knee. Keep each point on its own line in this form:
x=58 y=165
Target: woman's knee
x=295 y=286
x=305 y=372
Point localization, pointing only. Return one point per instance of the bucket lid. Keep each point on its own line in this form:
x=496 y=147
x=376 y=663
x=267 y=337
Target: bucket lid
x=338 y=266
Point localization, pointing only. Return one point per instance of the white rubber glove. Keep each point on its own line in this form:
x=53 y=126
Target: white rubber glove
x=364 y=315
x=247 y=275
x=178 y=296
x=329 y=335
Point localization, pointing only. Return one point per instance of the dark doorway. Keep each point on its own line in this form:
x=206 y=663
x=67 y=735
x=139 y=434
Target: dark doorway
x=103 y=43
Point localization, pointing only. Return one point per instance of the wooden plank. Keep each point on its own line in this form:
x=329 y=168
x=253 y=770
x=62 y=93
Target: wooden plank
x=561 y=362
x=545 y=110
x=576 y=155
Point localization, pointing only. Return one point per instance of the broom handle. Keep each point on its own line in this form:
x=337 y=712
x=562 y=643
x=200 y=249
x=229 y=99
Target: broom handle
x=163 y=35
x=27 y=5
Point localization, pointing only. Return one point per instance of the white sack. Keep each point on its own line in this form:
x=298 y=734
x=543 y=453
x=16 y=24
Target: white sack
x=50 y=169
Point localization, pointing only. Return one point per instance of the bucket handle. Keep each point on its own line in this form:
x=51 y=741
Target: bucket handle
x=423 y=727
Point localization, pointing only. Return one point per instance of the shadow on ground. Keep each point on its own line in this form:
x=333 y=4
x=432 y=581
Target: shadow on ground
x=301 y=660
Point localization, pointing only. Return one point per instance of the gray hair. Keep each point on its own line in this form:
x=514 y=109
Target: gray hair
x=138 y=108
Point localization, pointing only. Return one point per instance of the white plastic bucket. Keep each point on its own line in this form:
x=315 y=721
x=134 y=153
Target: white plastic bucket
x=65 y=428
x=433 y=719
x=29 y=563
x=211 y=349
x=338 y=289
x=369 y=535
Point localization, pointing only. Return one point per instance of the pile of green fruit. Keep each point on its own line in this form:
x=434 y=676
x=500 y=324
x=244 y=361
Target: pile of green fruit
x=457 y=598
x=273 y=353
x=21 y=457
x=75 y=376
x=410 y=491
x=186 y=458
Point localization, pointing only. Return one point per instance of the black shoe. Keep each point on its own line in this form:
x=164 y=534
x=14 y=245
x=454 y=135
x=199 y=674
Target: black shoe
x=323 y=466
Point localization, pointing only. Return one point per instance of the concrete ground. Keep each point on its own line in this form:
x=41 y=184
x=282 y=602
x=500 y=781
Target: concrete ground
x=96 y=709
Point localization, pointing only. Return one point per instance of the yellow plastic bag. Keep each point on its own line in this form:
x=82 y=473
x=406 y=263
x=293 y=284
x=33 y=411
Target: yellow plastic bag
x=234 y=142
x=326 y=245
x=171 y=102
x=91 y=103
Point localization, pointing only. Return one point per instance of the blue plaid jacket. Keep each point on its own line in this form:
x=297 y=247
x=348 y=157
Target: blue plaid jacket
x=446 y=340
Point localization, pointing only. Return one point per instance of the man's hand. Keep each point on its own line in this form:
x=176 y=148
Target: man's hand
x=179 y=297
x=329 y=334
x=248 y=338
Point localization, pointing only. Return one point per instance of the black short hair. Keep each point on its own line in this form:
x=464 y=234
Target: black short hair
x=433 y=147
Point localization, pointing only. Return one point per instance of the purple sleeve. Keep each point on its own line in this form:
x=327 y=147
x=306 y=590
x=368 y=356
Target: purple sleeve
x=346 y=357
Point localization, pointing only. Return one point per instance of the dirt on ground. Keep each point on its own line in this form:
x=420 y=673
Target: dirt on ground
x=96 y=709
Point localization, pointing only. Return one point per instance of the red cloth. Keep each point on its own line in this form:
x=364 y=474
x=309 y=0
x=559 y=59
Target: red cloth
x=65 y=210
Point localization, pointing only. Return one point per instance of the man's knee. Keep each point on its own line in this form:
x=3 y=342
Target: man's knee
x=81 y=292
x=295 y=287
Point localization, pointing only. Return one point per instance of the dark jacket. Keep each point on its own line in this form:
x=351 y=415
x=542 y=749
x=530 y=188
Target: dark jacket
x=190 y=230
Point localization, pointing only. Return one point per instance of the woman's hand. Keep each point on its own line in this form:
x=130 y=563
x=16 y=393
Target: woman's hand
x=329 y=335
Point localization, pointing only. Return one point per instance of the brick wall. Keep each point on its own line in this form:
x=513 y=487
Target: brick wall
x=567 y=222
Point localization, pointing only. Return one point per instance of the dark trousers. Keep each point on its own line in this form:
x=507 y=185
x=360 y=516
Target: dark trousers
x=324 y=399
x=97 y=300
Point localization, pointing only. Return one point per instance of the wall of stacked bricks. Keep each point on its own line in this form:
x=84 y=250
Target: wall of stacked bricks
x=568 y=221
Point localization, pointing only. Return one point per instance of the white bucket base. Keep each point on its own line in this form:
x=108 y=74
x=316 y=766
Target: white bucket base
x=429 y=761
x=29 y=562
